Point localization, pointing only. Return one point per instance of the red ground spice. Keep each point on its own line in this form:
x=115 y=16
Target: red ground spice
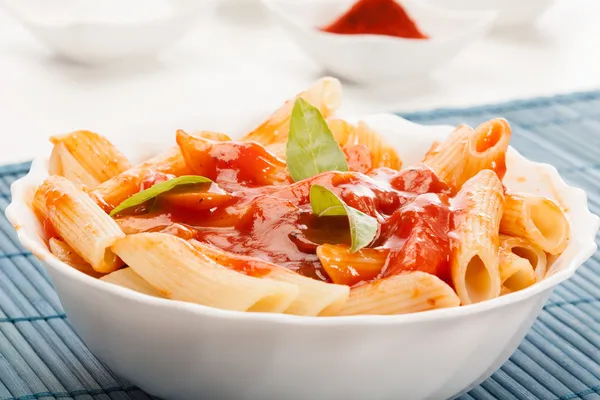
x=376 y=17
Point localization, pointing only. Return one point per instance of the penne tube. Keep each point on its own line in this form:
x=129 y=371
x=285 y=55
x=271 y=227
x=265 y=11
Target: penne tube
x=382 y=153
x=341 y=129
x=468 y=151
x=516 y=273
x=447 y=159
x=80 y=222
x=66 y=254
x=114 y=191
x=474 y=259
x=405 y=293
x=315 y=298
x=325 y=95
x=537 y=219
x=87 y=153
x=525 y=249
x=71 y=169
x=38 y=203
x=347 y=268
x=127 y=278
x=181 y=272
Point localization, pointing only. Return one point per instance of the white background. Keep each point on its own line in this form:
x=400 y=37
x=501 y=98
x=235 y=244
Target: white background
x=231 y=61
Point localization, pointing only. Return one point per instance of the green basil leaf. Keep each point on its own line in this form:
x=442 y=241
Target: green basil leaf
x=363 y=227
x=158 y=189
x=311 y=147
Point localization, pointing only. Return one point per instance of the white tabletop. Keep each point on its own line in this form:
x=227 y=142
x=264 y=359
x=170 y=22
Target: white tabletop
x=233 y=60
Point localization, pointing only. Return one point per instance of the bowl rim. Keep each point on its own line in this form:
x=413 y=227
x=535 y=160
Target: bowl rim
x=481 y=20
x=21 y=187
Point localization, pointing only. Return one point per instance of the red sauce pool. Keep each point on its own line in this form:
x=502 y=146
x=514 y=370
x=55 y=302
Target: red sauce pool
x=275 y=222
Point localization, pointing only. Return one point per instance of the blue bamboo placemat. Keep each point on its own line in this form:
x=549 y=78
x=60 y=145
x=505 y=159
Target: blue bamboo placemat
x=42 y=358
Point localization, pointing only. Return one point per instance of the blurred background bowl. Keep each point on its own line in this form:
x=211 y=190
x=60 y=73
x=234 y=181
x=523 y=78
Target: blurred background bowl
x=511 y=13
x=373 y=59
x=96 y=32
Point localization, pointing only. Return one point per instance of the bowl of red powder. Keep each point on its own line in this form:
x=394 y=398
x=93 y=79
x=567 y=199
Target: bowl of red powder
x=379 y=41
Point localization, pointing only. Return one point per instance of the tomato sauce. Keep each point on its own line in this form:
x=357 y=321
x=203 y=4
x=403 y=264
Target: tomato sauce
x=241 y=164
x=275 y=222
x=418 y=237
x=358 y=157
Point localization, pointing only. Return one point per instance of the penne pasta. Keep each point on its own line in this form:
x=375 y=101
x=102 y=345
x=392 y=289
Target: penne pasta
x=325 y=95
x=181 y=272
x=347 y=135
x=474 y=260
x=314 y=297
x=127 y=278
x=516 y=272
x=447 y=158
x=382 y=153
x=122 y=186
x=66 y=254
x=525 y=249
x=401 y=294
x=80 y=222
x=336 y=228
x=38 y=203
x=347 y=268
x=114 y=191
x=537 y=219
x=466 y=152
x=70 y=168
x=91 y=153
x=341 y=129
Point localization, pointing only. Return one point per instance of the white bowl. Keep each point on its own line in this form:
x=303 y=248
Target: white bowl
x=511 y=13
x=91 y=32
x=378 y=58
x=181 y=350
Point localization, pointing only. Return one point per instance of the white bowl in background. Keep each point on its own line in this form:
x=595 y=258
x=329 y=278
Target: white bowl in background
x=377 y=58
x=97 y=32
x=511 y=13
x=184 y=351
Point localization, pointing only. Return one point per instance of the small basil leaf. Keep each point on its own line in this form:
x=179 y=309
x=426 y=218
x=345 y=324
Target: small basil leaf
x=311 y=147
x=158 y=189
x=363 y=227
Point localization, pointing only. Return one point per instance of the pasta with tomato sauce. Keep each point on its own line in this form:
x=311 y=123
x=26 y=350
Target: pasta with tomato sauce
x=307 y=215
